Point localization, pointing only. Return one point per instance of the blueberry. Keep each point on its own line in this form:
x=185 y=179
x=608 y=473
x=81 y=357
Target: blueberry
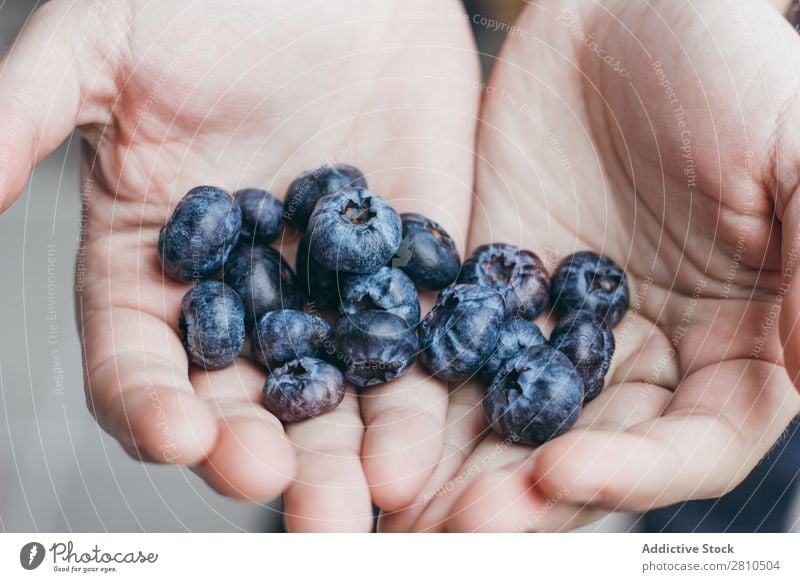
x=212 y=324
x=355 y=231
x=309 y=187
x=263 y=280
x=200 y=234
x=427 y=253
x=284 y=335
x=461 y=331
x=536 y=396
x=302 y=389
x=372 y=347
x=518 y=274
x=591 y=282
x=515 y=335
x=321 y=285
x=384 y=290
x=262 y=214
x=589 y=344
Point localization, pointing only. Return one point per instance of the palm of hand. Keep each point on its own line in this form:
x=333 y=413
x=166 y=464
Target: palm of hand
x=261 y=105
x=576 y=152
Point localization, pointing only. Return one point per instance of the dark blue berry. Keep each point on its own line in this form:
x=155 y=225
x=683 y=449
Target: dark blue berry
x=263 y=280
x=589 y=344
x=200 y=234
x=384 y=290
x=310 y=187
x=427 y=253
x=284 y=335
x=591 y=282
x=212 y=324
x=536 y=396
x=460 y=333
x=302 y=389
x=321 y=285
x=355 y=231
x=518 y=274
x=372 y=347
x=262 y=215
x=515 y=336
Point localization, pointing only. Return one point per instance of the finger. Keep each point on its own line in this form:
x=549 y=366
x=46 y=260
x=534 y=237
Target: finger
x=509 y=499
x=492 y=452
x=403 y=441
x=138 y=388
x=465 y=426
x=720 y=423
x=505 y=500
x=330 y=491
x=52 y=80
x=252 y=458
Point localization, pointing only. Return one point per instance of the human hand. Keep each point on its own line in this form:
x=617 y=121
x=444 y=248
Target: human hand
x=669 y=141
x=236 y=94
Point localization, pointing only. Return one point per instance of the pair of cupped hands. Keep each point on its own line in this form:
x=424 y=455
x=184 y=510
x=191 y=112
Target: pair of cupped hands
x=665 y=134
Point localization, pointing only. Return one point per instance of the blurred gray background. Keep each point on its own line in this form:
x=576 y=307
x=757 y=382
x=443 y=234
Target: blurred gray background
x=58 y=470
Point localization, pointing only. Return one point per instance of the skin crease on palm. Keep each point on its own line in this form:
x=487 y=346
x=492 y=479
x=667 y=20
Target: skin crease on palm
x=574 y=155
x=236 y=94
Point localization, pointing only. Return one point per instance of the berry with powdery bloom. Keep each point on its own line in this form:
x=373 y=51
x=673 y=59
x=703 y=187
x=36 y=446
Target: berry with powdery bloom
x=355 y=232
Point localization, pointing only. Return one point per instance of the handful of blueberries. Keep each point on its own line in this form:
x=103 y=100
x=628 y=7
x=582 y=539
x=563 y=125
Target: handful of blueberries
x=358 y=256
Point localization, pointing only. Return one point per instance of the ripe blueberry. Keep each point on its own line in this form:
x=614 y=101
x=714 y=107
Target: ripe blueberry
x=302 y=389
x=386 y=289
x=372 y=347
x=589 y=344
x=263 y=280
x=200 y=234
x=212 y=324
x=536 y=396
x=311 y=186
x=515 y=335
x=262 y=215
x=321 y=285
x=427 y=253
x=355 y=231
x=284 y=335
x=518 y=274
x=591 y=282
x=461 y=331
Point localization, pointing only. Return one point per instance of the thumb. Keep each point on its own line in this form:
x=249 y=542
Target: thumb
x=51 y=80
x=790 y=287
x=786 y=175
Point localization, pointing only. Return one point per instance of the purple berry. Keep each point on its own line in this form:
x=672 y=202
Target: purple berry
x=373 y=347
x=587 y=281
x=284 y=335
x=386 y=289
x=460 y=333
x=515 y=336
x=536 y=396
x=262 y=215
x=200 y=234
x=321 y=285
x=310 y=187
x=263 y=280
x=589 y=344
x=518 y=274
x=303 y=389
x=212 y=325
x=427 y=253
x=355 y=231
